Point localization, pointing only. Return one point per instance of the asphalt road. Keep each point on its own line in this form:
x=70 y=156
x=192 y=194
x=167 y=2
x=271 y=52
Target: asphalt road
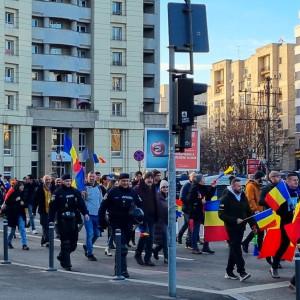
x=198 y=276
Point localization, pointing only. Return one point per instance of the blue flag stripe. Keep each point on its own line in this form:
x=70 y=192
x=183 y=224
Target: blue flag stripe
x=212 y=205
x=264 y=214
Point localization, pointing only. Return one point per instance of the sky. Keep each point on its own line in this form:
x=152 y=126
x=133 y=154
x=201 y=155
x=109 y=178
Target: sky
x=235 y=29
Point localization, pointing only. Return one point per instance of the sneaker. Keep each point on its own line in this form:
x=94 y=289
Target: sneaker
x=274 y=273
x=196 y=251
x=231 y=275
x=125 y=274
x=84 y=249
x=10 y=246
x=139 y=259
x=245 y=248
x=107 y=252
x=208 y=251
x=244 y=276
x=25 y=247
x=34 y=231
x=179 y=240
x=91 y=257
x=149 y=263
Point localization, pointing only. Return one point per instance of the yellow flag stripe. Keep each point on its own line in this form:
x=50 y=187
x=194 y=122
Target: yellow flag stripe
x=212 y=219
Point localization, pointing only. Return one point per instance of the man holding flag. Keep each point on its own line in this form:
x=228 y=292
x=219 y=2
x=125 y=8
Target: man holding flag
x=234 y=208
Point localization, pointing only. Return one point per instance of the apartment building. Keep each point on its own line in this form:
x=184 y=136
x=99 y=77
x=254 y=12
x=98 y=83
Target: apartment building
x=76 y=67
x=297 y=96
x=240 y=85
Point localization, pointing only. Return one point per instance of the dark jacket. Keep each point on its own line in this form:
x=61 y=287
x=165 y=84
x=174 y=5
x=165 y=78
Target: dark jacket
x=160 y=227
x=183 y=195
x=65 y=200
x=39 y=200
x=231 y=209
x=28 y=193
x=118 y=202
x=15 y=207
x=149 y=201
x=196 y=195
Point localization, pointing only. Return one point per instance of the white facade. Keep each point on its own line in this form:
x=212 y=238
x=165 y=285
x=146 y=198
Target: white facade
x=83 y=68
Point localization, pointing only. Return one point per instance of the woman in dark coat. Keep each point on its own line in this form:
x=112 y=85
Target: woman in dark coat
x=160 y=228
x=15 y=213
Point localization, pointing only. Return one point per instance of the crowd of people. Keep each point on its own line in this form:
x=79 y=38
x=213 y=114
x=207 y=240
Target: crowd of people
x=140 y=206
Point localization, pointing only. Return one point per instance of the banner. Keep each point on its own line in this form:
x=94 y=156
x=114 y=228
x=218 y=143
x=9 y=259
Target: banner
x=156 y=149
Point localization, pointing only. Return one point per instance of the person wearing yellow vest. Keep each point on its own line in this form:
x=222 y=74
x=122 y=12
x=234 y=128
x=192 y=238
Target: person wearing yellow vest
x=42 y=198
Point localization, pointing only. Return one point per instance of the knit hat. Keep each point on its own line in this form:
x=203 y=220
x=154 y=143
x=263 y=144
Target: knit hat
x=163 y=183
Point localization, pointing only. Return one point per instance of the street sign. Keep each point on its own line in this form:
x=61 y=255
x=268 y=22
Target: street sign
x=179 y=27
x=138 y=155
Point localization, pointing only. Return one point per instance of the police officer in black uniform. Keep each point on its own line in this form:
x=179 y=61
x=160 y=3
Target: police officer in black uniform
x=119 y=202
x=65 y=204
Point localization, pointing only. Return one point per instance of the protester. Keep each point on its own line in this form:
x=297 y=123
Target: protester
x=137 y=178
x=234 y=208
x=42 y=197
x=160 y=227
x=147 y=192
x=156 y=179
x=252 y=191
x=93 y=198
x=14 y=208
x=198 y=194
x=183 y=197
x=29 y=188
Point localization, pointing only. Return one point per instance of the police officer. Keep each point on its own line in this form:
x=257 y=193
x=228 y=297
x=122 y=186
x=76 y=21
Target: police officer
x=119 y=202
x=65 y=203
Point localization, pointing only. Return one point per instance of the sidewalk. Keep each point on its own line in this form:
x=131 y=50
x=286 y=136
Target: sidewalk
x=33 y=284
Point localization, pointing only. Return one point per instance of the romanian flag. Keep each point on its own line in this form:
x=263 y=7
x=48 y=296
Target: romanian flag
x=277 y=196
x=265 y=219
x=70 y=149
x=178 y=208
x=214 y=229
x=95 y=158
x=102 y=160
x=293 y=229
x=78 y=183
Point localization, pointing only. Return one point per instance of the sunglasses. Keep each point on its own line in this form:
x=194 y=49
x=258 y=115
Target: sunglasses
x=164 y=187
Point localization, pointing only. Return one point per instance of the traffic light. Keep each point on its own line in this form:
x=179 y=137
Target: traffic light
x=185 y=110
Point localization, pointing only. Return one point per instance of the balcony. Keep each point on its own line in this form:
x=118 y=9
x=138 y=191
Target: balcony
x=61 y=36
x=67 y=118
x=265 y=70
x=61 y=89
x=61 y=62
x=60 y=10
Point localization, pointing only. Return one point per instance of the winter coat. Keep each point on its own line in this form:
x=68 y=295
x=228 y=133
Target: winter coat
x=253 y=192
x=149 y=201
x=15 y=207
x=39 y=201
x=195 y=197
x=160 y=227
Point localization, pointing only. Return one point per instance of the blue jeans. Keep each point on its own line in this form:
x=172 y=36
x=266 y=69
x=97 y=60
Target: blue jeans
x=195 y=235
x=31 y=217
x=21 y=226
x=92 y=233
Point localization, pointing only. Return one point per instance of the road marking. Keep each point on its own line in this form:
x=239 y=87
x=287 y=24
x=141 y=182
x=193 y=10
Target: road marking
x=99 y=247
x=256 y=288
x=145 y=271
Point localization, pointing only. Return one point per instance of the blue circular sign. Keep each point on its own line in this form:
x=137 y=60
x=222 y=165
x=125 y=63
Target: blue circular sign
x=138 y=155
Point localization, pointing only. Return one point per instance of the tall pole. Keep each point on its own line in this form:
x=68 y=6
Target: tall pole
x=172 y=182
x=268 y=121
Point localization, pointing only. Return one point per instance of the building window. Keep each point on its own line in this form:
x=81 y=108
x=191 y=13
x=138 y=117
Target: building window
x=9 y=47
x=9 y=74
x=82 y=28
x=58 y=139
x=57 y=51
x=34 y=139
x=117 y=58
x=83 y=53
x=117 y=83
x=34 y=169
x=55 y=24
x=116 y=142
x=10 y=101
x=117 y=8
x=82 y=140
x=36 y=49
x=9 y=18
x=116 y=109
x=7 y=139
x=297 y=128
x=82 y=3
x=149 y=7
x=7 y=172
x=117 y=33
x=149 y=32
x=58 y=168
